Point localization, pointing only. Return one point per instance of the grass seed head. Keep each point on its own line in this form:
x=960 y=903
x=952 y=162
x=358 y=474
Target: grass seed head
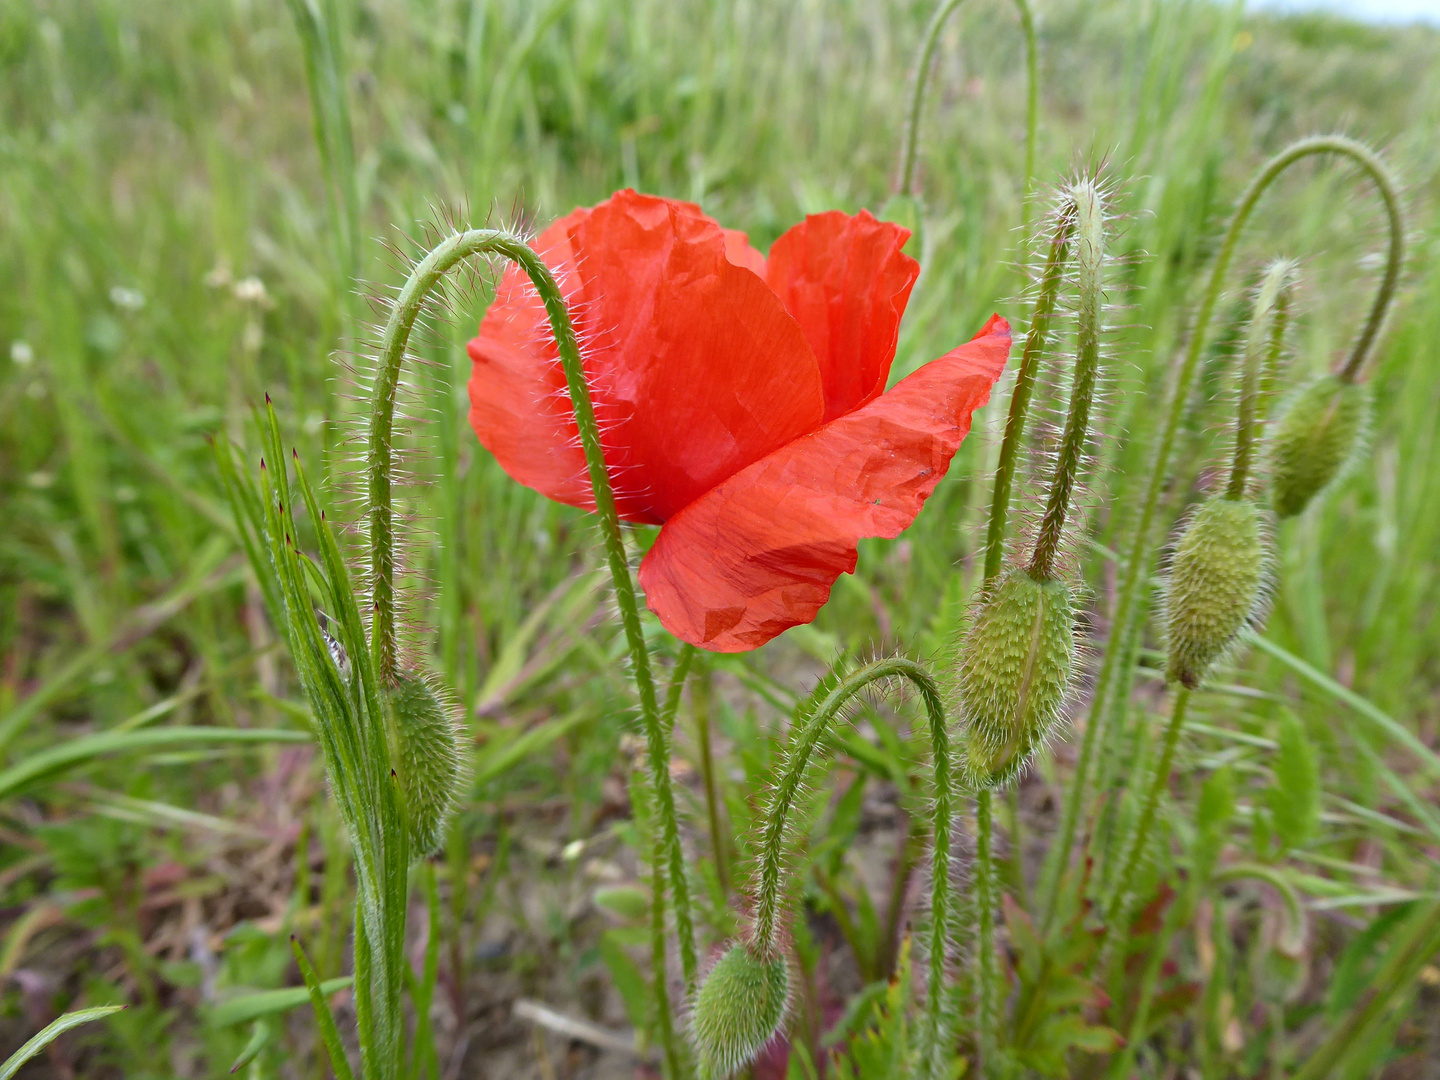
x=430 y=759
x=739 y=1008
x=1314 y=439
x=1217 y=584
x=1014 y=673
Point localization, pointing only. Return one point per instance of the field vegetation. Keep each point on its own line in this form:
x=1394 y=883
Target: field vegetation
x=1225 y=863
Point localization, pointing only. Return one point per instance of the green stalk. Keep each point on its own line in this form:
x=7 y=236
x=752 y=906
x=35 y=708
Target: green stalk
x=988 y=1007
x=1262 y=355
x=1278 y=288
x=1035 y=343
x=770 y=891
x=1137 y=563
x=926 y=57
x=1402 y=965
x=1090 y=259
x=1116 y=913
x=379 y=463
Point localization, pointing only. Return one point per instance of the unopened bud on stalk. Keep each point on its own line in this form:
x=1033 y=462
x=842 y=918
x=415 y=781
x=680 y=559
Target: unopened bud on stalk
x=1217 y=583
x=1314 y=439
x=1014 y=673
x=428 y=741
x=740 y=1007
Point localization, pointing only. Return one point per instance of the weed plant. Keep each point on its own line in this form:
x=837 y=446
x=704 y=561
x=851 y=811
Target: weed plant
x=328 y=746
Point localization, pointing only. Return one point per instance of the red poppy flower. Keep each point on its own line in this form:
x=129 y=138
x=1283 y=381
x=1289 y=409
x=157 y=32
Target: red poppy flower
x=741 y=401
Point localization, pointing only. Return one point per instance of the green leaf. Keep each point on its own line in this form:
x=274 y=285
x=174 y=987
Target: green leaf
x=247 y=1007
x=324 y=1018
x=81 y=751
x=1294 y=800
x=626 y=901
x=51 y=1032
x=627 y=979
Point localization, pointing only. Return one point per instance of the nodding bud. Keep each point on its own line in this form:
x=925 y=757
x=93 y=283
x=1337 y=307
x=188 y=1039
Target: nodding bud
x=740 y=1007
x=1217 y=583
x=1014 y=673
x=1314 y=439
x=428 y=740
x=904 y=210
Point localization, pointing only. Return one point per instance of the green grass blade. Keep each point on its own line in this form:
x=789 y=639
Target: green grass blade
x=248 y=1007
x=329 y=1034
x=87 y=748
x=53 y=1031
x=1392 y=727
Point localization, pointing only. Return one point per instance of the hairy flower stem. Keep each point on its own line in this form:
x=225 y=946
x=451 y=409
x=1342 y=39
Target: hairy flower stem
x=1277 y=288
x=1036 y=341
x=1117 y=911
x=1262 y=354
x=1090 y=258
x=928 y=44
x=987 y=1018
x=770 y=893
x=379 y=462
x=1137 y=564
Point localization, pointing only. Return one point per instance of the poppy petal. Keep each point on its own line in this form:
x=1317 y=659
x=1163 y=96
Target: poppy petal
x=519 y=406
x=759 y=553
x=845 y=280
x=695 y=368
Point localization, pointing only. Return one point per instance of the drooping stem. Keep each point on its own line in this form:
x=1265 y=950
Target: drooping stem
x=1035 y=343
x=921 y=77
x=770 y=892
x=1090 y=259
x=1118 y=910
x=1137 y=563
x=1263 y=344
x=379 y=462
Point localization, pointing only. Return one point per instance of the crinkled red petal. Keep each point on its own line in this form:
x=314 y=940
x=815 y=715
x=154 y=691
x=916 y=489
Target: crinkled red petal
x=845 y=280
x=696 y=369
x=759 y=553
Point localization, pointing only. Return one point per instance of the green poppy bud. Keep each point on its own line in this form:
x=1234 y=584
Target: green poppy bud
x=904 y=210
x=1014 y=673
x=740 y=1007
x=1217 y=582
x=428 y=740
x=1314 y=439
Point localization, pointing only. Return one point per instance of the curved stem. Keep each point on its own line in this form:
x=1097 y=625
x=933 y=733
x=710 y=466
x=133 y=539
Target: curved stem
x=1090 y=257
x=1137 y=564
x=1262 y=349
x=770 y=891
x=1035 y=343
x=926 y=57
x=379 y=462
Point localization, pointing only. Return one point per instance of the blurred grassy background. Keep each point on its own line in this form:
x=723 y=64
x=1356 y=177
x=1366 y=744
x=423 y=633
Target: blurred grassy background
x=168 y=255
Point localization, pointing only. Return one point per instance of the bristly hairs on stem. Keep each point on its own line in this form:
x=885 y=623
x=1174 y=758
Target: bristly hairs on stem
x=815 y=721
x=1136 y=567
x=450 y=252
x=1016 y=659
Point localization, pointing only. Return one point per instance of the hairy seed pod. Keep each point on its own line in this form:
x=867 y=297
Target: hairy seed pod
x=1216 y=584
x=1014 y=673
x=740 y=1007
x=428 y=740
x=1314 y=439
